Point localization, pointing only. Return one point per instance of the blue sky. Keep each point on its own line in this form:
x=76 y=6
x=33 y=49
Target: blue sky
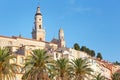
x=92 y=23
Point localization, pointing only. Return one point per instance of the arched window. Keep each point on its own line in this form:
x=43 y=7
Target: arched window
x=56 y=55
x=40 y=39
x=39 y=26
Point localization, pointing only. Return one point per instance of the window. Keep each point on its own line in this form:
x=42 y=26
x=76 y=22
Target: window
x=40 y=39
x=39 y=26
x=56 y=55
x=14 y=60
x=16 y=78
x=20 y=70
x=21 y=60
x=39 y=19
x=10 y=43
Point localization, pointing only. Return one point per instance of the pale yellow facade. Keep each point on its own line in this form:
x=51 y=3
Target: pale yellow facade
x=22 y=47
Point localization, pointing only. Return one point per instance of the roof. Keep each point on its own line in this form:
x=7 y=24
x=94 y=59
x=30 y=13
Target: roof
x=16 y=37
x=55 y=41
x=38 y=14
x=118 y=71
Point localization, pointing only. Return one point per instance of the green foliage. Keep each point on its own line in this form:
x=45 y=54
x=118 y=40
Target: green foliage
x=83 y=48
x=76 y=46
x=99 y=56
x=88 y=51
x=92 y=52
x=62 y=68
x=81 y=68
x=37 y=65
x=7 y=69
x=116 y=63
x=116 y=76
x=99 y=77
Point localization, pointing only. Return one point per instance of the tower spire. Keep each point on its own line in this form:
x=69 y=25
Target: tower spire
x=38 y=9
x=38 y=12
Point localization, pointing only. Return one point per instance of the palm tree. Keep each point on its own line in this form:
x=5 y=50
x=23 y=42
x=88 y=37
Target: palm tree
x=7 y=69
x=37 y=65
x=62 y=67
x=116 y=76
x=52 y=72
x=99 y=77
x=81 y=68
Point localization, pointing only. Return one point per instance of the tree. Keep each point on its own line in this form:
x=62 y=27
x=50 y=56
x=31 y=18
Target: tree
x=76 y=46
x=99 y=77
x=83 y=48
x=62 y=68
x=116 y=63
x=116 y=76
x=88 y=51
x=99 y=56
x=52 y=72
x=92 y=53
x=81 y=68
x=7 y=69
x=37 y=66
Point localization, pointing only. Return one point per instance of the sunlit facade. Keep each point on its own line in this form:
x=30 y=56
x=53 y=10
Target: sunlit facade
x=22 y=47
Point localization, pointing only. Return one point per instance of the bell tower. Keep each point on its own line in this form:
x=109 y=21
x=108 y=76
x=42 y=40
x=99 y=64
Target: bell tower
x=38 y=33
x=61 y=38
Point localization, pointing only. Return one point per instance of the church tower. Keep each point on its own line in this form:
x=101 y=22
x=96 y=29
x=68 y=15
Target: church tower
x=61 y=38
x=38 y=33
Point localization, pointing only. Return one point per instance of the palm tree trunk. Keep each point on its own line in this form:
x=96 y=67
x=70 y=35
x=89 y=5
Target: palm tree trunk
x=62 y=78
x=35 y=76
x=0 y=71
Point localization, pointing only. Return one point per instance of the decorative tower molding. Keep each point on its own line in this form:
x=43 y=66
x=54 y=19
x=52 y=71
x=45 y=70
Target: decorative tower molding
x=38 y=32
x=61 y=38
